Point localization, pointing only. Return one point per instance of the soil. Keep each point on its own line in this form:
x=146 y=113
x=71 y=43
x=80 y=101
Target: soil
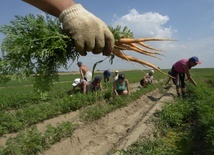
x=116 y=131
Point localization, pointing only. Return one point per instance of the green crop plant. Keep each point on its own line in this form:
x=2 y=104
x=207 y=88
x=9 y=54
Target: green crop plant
x=32 y=141
x=35 y=45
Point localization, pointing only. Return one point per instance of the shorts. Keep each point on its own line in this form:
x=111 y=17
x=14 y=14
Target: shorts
x=120 y=92
x=178 y=78
x=88 y=76
x=142 y=82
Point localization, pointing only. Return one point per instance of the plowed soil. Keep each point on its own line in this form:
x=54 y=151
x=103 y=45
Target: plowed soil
x=117 y=130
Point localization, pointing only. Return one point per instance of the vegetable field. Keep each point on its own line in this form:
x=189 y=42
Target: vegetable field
x=97 y=124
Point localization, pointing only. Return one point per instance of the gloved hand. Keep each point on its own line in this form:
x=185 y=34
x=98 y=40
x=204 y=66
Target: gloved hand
x=88 y=31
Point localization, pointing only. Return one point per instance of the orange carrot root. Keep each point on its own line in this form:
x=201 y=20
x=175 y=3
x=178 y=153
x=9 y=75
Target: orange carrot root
x=137 y=50
x=131 y=40
x=119 y=54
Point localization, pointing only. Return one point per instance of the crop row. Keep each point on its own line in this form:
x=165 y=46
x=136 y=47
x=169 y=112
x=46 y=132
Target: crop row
x=33 y=141
x=183 y=126
x=13 y=121
x=38 y=142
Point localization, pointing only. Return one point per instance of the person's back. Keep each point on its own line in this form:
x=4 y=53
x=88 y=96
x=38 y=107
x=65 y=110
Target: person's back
x=96 y=84
x=106 y=75
x=147 y=79
x=179 y=65
x=84 y=71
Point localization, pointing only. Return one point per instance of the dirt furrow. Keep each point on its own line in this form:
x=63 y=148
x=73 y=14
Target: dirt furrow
x=116 y=130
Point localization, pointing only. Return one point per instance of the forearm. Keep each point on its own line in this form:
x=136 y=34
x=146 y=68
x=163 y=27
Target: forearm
x=115 y=92
x=192 y=80
x=101 y=88
x=128 y=90
x=53 y=7
x=81 y=73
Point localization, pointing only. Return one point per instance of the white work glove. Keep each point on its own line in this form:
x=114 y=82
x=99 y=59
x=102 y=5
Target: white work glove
x=89 y=32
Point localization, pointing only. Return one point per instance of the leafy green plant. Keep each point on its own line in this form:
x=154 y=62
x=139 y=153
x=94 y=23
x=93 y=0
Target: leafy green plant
x=182 y=127
x=35 y=44
x=118 y=32
x=32 y=141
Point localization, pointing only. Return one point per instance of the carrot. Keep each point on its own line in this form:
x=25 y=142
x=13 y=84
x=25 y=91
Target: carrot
x=134 y=45
x=130 y=58
x=119 y=54
x=137 y=50
x=147 y=46
x=131 y=40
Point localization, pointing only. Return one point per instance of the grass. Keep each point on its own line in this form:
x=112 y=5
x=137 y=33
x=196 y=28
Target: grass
x=176 y=124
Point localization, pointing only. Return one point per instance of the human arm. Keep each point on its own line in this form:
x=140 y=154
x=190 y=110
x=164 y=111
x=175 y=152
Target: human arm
x=186 y=70
x=88 y=32
x=192 y=81
x=81 y=73
x=53 y=7
x=127 y=86
x=101 y=87
x=115 y=88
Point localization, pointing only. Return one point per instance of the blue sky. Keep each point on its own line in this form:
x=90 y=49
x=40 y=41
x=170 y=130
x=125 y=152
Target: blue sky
x=190 y=22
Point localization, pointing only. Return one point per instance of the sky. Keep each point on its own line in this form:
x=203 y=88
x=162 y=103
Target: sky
x=189 y=22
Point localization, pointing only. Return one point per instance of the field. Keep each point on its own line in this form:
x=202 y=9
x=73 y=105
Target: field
x=150 y=120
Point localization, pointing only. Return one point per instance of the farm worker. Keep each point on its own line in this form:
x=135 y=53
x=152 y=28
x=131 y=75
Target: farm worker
x=88 y=32
x=121 y=85
x=147 y=79
x=115 y=77
x=106 y=75
x=84 y=71
x=80 y=83
x=178 y=71
x=96 y=84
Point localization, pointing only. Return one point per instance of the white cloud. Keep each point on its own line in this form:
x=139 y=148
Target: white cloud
x=149 y=24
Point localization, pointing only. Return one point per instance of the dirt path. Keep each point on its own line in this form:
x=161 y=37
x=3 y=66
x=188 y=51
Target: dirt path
x=117 y=130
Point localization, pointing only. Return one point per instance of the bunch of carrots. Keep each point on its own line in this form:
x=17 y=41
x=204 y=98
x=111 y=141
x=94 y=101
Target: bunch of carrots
x=124 y=40
x=38 y=45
